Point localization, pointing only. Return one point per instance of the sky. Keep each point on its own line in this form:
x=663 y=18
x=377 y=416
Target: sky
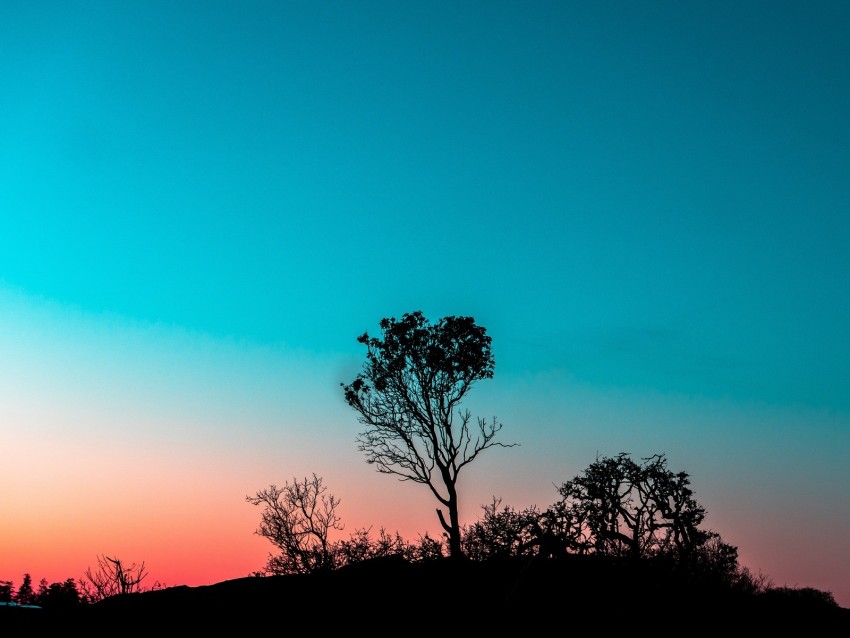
x=204 y=204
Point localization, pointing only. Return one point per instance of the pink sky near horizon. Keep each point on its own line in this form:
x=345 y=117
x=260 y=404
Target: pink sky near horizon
x=142 y=442
x=182 y=509
x=195 y=532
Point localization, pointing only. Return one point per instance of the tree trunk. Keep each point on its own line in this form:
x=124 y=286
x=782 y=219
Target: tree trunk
x=455 y=549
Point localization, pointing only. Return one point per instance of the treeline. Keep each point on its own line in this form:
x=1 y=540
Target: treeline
x=109 y=578
x=618 y=509
x=54 y=595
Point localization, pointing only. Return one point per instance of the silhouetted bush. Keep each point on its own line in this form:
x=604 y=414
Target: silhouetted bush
x=807 y=596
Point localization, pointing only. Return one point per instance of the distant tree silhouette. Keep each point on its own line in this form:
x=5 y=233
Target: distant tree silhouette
x=297 y=519
x=806 y=595
x=26 y=594
x=58 y=595
x=408 y=396
x=112 y=577
x=41 y=592
x=53 y=595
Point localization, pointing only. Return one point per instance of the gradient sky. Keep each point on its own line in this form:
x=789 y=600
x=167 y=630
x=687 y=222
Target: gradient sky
x=203 y=204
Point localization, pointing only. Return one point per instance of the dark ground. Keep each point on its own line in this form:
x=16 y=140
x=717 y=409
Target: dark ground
x=390 y=596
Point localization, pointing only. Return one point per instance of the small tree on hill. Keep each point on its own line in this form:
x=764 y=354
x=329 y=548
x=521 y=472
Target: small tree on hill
x=297 y=519
x=408 y=396
x=112 y=577
x=635 y=509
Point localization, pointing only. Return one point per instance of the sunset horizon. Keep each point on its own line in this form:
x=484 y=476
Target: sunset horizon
x=203 y=206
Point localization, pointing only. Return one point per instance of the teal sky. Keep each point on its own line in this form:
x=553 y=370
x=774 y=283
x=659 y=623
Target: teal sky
x=647 y=204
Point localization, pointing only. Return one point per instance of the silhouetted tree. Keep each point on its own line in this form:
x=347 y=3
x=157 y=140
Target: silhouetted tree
x=26 y=594
x=297 y=519
x=748 y=583
x=632 y=509
x=618 y=507
x=58 y=595
x=41 y=592
x=112 y=577
x=7 y=591
x=408 y=396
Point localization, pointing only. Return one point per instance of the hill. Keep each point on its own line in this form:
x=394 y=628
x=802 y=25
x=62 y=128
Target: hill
x=394 y=596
